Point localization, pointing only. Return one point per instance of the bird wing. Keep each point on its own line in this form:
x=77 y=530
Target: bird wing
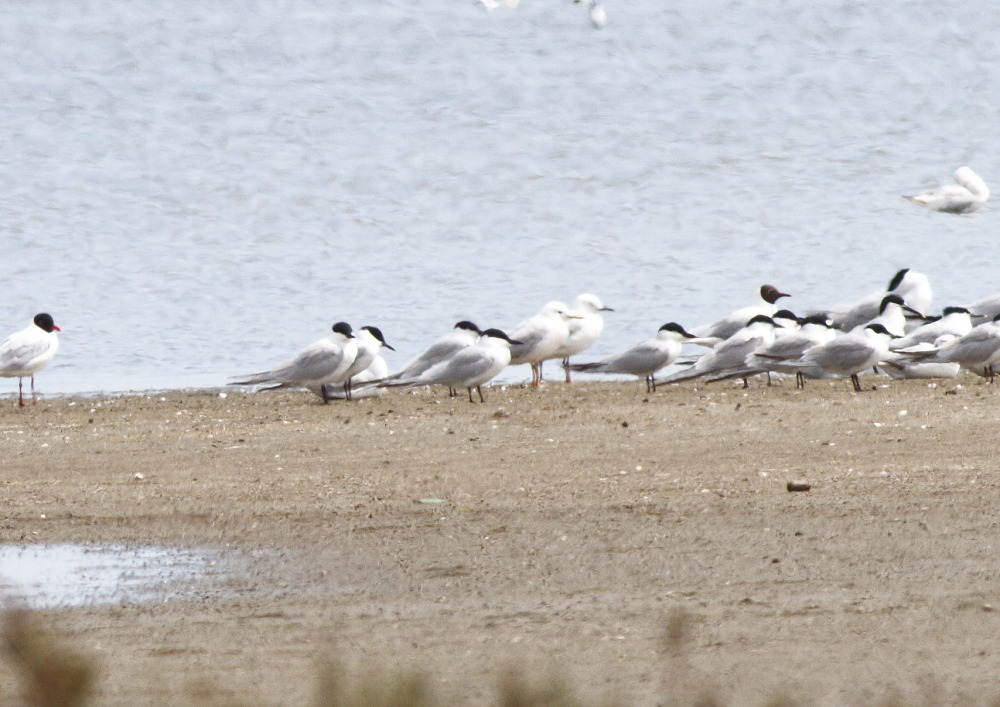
x=21 y=348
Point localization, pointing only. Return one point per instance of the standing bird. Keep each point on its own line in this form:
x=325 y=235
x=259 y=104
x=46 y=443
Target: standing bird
x=645 y=358
x=731 y=353
x=847 y=355
x=976 y=351
x=469 y=368
x=323 y=361
x=28 y=351
x=732 y=323
x=815 y=329
x=914 y=287
x=540 y=337
x=464 y=334
x=583 y=331
x=369 y=340
x=892 y=315
x=965 y=196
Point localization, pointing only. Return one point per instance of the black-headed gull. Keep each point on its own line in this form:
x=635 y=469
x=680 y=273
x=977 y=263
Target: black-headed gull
x=28 y=351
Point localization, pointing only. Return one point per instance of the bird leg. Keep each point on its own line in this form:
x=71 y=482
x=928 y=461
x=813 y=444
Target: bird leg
x=479 y=389
x=800 y=380
x=746 y=383
x=325 y=395
x=650 y=384
x=20 y=393
x=856 y=382
x=347 y=389
x=565 y=364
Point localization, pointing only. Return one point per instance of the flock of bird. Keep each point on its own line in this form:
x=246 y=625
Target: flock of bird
x=889 y=331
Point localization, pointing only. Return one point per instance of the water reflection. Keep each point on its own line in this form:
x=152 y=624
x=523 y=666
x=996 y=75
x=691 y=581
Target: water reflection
x=66 y=575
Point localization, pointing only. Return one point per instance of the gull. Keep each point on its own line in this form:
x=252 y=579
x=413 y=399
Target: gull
x=914 y=287
x=469 y=368
x=965 y=196
x=846 y=355
x=785 y=350
x=645 y=358
x=323 y=361
x=540 y=337
x=584 y=330
x=730 y=324
x=730 y=353
x=28 y=351
x=369 y=340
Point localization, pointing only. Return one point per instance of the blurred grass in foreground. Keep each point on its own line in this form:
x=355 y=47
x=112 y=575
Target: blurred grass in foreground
x=54 y=675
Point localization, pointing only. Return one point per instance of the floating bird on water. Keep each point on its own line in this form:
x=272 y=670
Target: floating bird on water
x=965 y=196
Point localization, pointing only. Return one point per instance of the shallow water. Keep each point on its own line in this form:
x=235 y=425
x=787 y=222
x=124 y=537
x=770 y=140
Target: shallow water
x=64 y=575
x=200 y=190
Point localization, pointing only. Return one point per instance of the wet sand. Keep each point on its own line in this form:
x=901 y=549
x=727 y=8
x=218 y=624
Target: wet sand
x=643 y=547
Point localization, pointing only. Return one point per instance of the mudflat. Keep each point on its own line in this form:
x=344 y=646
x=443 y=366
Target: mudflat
x=644 y=548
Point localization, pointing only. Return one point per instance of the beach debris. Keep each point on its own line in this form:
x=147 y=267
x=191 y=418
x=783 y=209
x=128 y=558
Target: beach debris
x=798 y=485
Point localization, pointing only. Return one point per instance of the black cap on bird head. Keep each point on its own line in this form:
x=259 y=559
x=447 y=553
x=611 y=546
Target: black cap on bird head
x=45 y=322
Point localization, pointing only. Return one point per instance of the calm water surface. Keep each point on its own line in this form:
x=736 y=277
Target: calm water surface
x=196 y=190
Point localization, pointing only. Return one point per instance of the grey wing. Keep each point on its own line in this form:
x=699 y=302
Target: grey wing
x=21 y=348
x=435 y=354
x=640 y=360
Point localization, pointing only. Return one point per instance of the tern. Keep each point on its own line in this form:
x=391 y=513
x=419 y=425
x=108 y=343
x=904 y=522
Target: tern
x=323 y=361
x=469 y=368
x=730 y=324
x=645 y=358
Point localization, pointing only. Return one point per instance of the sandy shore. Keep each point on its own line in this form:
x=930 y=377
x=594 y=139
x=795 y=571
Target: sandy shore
x=568 y=530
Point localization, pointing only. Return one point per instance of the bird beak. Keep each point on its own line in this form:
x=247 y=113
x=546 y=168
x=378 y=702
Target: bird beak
x=606 y=309
x=388 y=346
x=55 y=328
x=914 y=312
x=515 y=342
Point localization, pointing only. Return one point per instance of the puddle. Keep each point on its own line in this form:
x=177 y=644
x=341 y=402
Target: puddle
x=53 y=576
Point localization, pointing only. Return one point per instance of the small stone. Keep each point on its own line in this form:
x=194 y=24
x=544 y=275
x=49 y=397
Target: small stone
x=799 y=485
